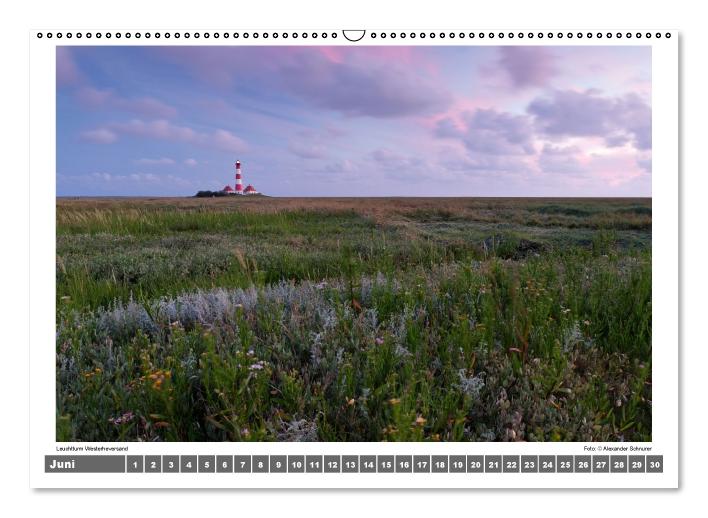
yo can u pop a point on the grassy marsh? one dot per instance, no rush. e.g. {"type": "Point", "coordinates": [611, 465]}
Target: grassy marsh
{"type": "Point", "coordinates": [354, 319]}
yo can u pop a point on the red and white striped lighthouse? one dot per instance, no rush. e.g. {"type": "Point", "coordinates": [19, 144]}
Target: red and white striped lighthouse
{"type": "Point", "coordinates": [239, 185]}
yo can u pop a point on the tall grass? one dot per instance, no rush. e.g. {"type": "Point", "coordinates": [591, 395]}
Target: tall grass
{"type": "Point", "coordinates": [340, 326]}
{"type": "Point", "coordinates": [432, 355]}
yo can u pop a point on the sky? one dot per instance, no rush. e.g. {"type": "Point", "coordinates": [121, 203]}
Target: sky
{"type": "Point", "coordinates": [355, 121]}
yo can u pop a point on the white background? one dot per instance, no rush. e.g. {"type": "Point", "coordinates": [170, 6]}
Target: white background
{"type": "Point", "coordinates": [206, 14]}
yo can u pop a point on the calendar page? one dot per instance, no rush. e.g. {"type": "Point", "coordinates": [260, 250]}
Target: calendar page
{"type": "Point", "coordinates": [375, 258]}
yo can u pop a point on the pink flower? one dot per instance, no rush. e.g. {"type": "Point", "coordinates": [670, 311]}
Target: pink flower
{"type": "Point", "coordinates": [125, 418]}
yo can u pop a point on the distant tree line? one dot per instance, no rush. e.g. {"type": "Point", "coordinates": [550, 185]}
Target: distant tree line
{"type": "Point", "coordinates": [210, 194]}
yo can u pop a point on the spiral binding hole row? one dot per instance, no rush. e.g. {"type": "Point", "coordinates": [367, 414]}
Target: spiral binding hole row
{"type": "Point", "coordinates": [334, 35]}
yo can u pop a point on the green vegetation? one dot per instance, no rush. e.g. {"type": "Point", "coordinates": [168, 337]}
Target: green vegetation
{"type": "Point", "coordinates": [354, 320]}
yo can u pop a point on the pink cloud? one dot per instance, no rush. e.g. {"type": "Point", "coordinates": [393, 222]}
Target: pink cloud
{"type": "Point", "coordinates": [100, 136]}
{"type": "Point", "coordinates": [333, 54]}
{"type": "Point", "coordinates": [606, 68]}
{"type": "Point", "coordinates": [595, 170]}
{"type": "Point", "coordinates": [315, 143]}
{"type": "Point", "coordinates": [644, 162]}
{"type": "Point", "coordinates": [307, 150]}
{"type": "Point", "coordinates": [562, 160]}
{"type": "Point", "coordinates": [490, 132]}
{"type": "Point", "coordinates": [219, 139]}
{"type": "Point", "coordinates": [618, 120]}
{"type": "Point", "coordinates": [93, 97]}
{"type": "Point", "coordinates": [412, 167]}
{"type": "Point", "coordinates": [157, 129]}
{"type": "Point", "coordinates": [365, 81]}
{"type": "Point", "coordinates": [144, 106]}
{"type": "Point", "coordinates": [155, 161]}
{"type": "Point", "coordinates": [223, 140]}
{"type": "Point", "coordinates": [67, 70]}
{"type": "Point", "coordinates": [344, 166]}
{"type": "Point", "coordinates": [615, 169]}
{"type": "Point", "coordinates": [528, 66]}
{"type": "Point", "coordinates": [388, 91]}
{"type": "Point", "coordinates": [389, 158]}
{"type": "Point", "coordinates": [493, 165]}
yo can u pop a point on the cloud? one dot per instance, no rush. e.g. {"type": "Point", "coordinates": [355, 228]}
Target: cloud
{"type": "Point", "coordinates": [618, 120]}
{"type": "Point", "coordinates": [337, 170]}
{"type": "Point", "coordinates": [143, 177]}
{"type": "Point", "coordinates": [340, 167]}
{"type": "Point", "coordinates": [157, 129]}
{"type": "Point", "coordinates": [360, 82]}
{"type": "Point", "coordinates": [384, 91]}
{"type": "Point", "coordinates": [143, 106]}
{"type": "Point", "coordinates": [307, 150]}
{"type": "Point", "coordinates": [315, 143]}
{"type": "Point", "coordinates": [104, 177]}
{"type": "Point", "coordinates": [93, 97]}
{"type": "Point", "coordinates": [131, 178]}
{"type": "Point", "coordinates": [390, 159]}
{"type": "Point", "coordinates": [614, 169]}
{"type": "Point", "coordinates": [190, 162]}
{"type": "Point", "coordinates": [561, 160]}
{"type": "Point", "coordinates": [103, 183]}
{"type": "Point", "coordinates": [644, 163]}
{"type": "Point", "coordinates": [412, 169]}
{"type": "Point", "coordinates": [527, 66]}
{"type": "Point", "coordinates": [101, 176]}
{"type": "Point", "coordinates": [146, 106]}
{"type": "Point", "coordinates": [490, 132]}
{"type": "Point", "coordinates": [155, 161]}
{"type": "Point", "coordinates": [331, 131]}
{"type": "Point", "coordinates": [527, 146]}
{"type": "Point", "coordinates": [496, 165]}
{"type": "Point", "coordinates": [219, 139]}
{"type": "Point", "coordinates": [67, 71]}
{"type": "Point", "coordinates": [617, 140]}
{"type": "Point", "coordinates": [100, 136]}
{"type": "Point", "coordinates": [449, 128]}
{"type": "Point", "coordinates": [222, 140]}
{"type": "Point", "coordinates": [68, 74]}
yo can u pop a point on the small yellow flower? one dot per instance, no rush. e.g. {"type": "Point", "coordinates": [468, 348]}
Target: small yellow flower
{"type": "Point", "coordinates": [420, 420]}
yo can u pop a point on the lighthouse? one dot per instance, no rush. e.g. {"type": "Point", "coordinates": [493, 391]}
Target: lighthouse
{"type": "Point", "coordinates": [249, 190]}
{"type": "Point", "coordinates": [239, 185]}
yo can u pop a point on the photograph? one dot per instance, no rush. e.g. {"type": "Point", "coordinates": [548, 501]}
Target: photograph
{"type": "Point", "coordinates": [354, 243]}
